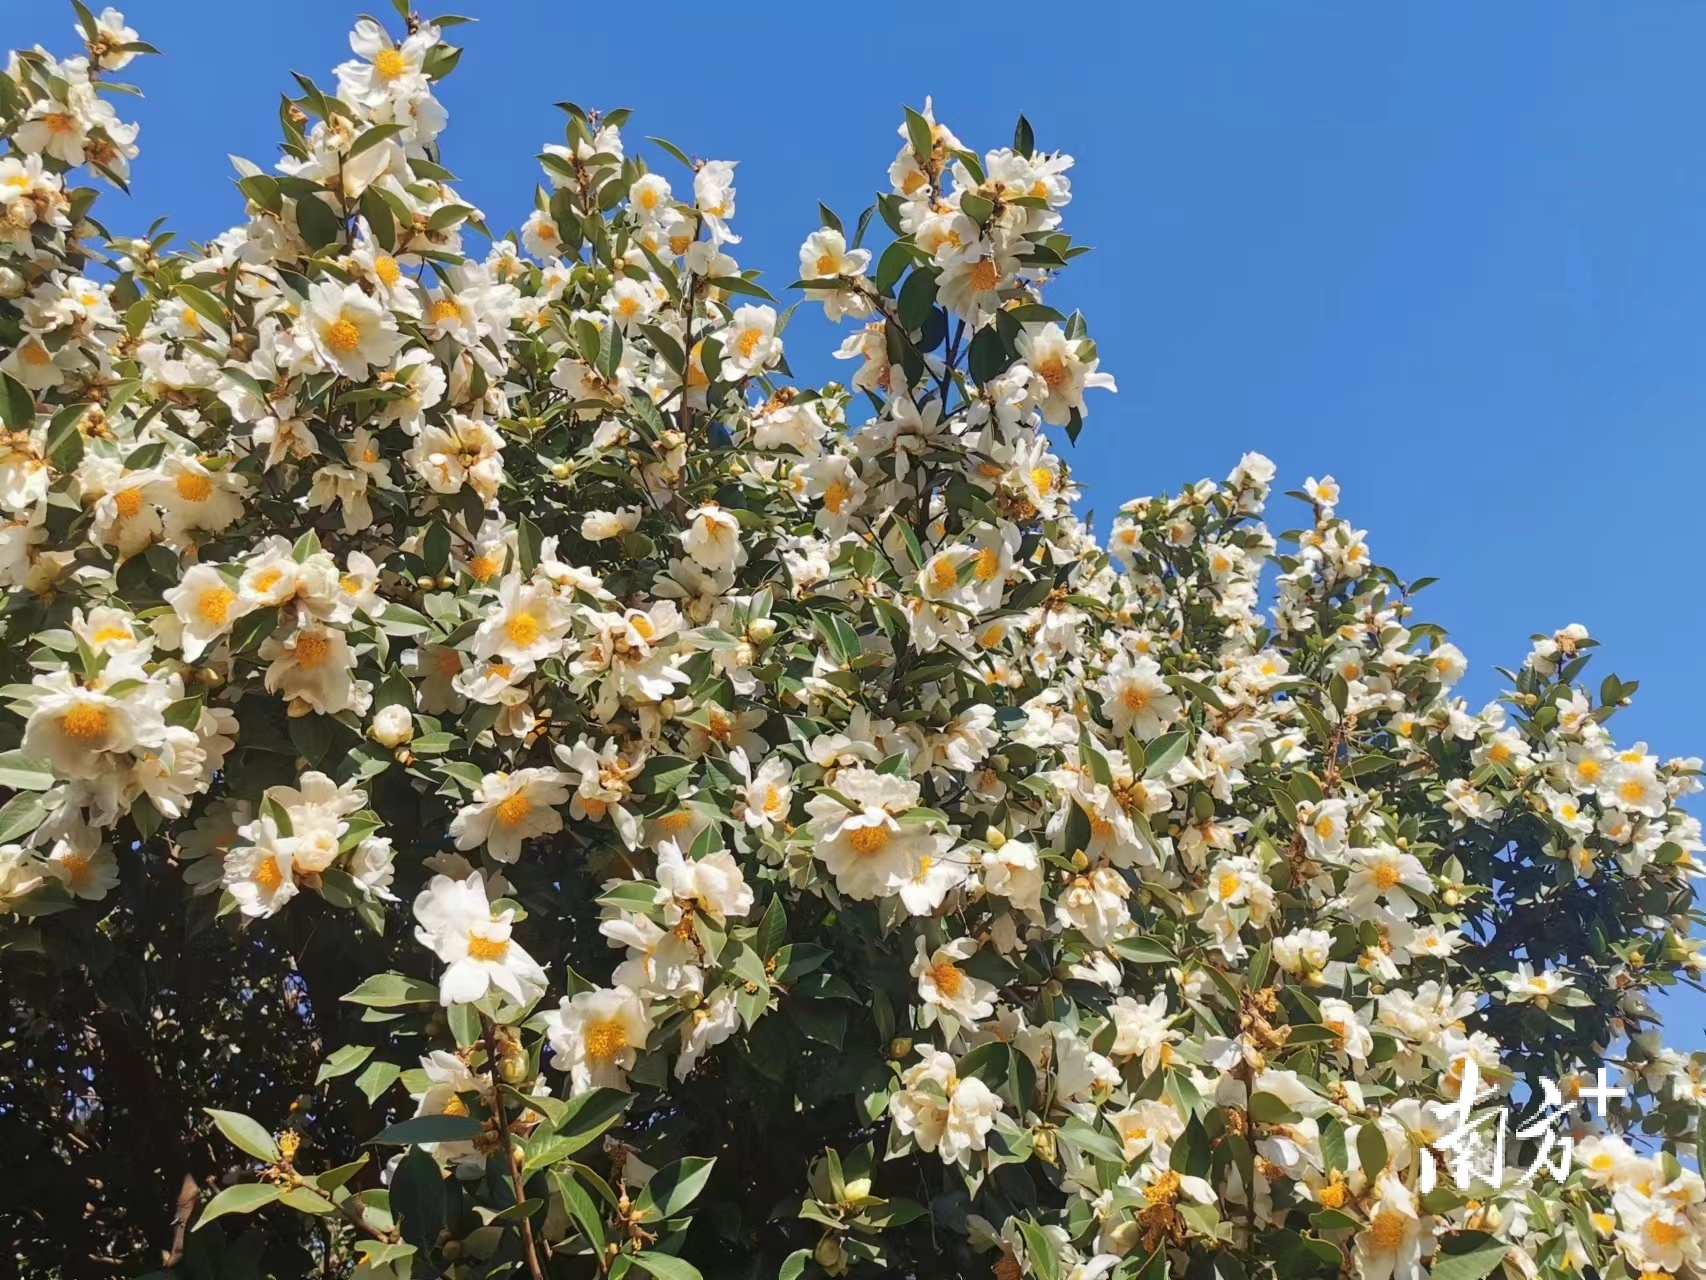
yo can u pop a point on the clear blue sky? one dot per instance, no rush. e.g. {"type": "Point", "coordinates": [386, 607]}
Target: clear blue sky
{"type": "Point", "coordinates": [1454, 254]}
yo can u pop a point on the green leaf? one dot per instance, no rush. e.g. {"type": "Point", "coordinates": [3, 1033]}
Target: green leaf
{"type": "Point", "coordinates": [17, 405]}
{"type": "Point", "coordinates": [918, 133]}
{"type": "Point", "coordinates": [418, 1199]}
{"type": "Point", "coordinates": [917, 296]}
{"type": "Point", "coordinates": [378, 1077]}
{"type": "Point", "coordinates": [372, 138]}
{"type": "Point", "coordinates": [1467, 1255]}
{"type": "Point", "coordinates": [581, 1207]}
{"type": "Point", "coordinates": [245, 1197]}
{"type": "Point", "coordinates": [1165, 752]}
{"type": "Point", "coordinates": [1144, 951]}
{"type": "Point", "coordinates": [440, 1128]}
{"type": "Point", "coordinates": [1024, 140]}
{"type": "Point", "coordinates": [245, 1134]}
{"type": "Point", "coordinates": [674, 1187]}
{"type": "Point", "coordinates": [387, 990]}
{"type": "Point", "coordinates": [1371, 1150]}
{"type": "Point", "coordinates": [318, 222]}
{"type": "Point", "coordinates": [1039, 1250]}
{"type": "Point", "coordinates": [344, 1061]}
{"type": "Point", "coordinates": [24, 773]}
{"type": "Point", "coordinates": [666, 1266]}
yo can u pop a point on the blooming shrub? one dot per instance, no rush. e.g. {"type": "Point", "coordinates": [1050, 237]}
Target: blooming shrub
{"type": "Point", "coordinates": [503, 782]}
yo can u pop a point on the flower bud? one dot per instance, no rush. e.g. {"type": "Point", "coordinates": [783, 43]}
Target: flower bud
{"type": "Point", "coordinates": [392, 726]}
{"type": "Point", "coordinates": [761, 629]}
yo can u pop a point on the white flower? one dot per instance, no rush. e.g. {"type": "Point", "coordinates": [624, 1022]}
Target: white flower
{"type": "Point", "coordinates": [457, 925]}
{"type": "Point", "coordinates": [869, 853]}
{"type": "Point", "coordinates": [750, 344]}
{"type": "Point", "coordinates": [348, 330]}
{"type": "Point", "coordinates": [260, 875]}
{"type": "Point", "coordinates": [508, 808]}
{"type": "Point", "coordinates": [1135, 697]}
{"type": "Point", "coordinates": [1055, 359]}
{"type": "Point", "coordinates": [596, 1037]}
{"type": "Point", "coordinates": [712, 538]}
{"type": "Point", "coordinates": [713, 883]}
{"type": "Point", "coordinates": [943, 985]}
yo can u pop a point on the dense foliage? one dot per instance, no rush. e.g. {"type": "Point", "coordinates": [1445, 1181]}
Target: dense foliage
{"type": "Point", "coordinates": [501, 782]}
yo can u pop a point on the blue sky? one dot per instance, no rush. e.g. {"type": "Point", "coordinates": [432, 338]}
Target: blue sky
{"type": "Point", "coordinates": [1452, 254]}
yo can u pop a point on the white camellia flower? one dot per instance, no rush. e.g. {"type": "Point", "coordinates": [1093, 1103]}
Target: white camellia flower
{"type": "Point", "coordinates": [596, 1036]}
{"type": "Point", "coordinates": [348, 330]}
{"type": "Point", "coordinates": [509, 808]}
{"type": "Point", "coordinates": [456, 923]}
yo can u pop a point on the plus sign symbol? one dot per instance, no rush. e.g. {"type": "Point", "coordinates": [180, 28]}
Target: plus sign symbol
{"type": "Point", "coordinates": [1601, 1094]}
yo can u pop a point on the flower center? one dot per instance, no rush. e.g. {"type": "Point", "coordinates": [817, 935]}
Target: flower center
{"type": "Point", "coordinates": [86, 721]}
{"type": "Point", "coordinates": [522, 630]}
{"type": "Point", "coordinates": [388, 63]}
{"type": "Point", "coordinates": [192, 486]}
{"type": "Point", "coordinates": [1663, 1233]}
{"type": "Point", "coordinates": [604, 1040]}
{"type": "Point", "coordinates": [59, 122]}
{"type": "Point", "coordinates": [483, 948]}
{"type": "Point", "coordinates": [515, 809]}
{"type": "Point", "coordinates": [1043, 479]}
{"type": "Point", "coordinates": [1053, 371]}
{"type": "Point", "coordinates": [482, 567]}
{"type": "Point", "coordinates": [215, 605]}
{"type": "Point", "coordinates": [268, 877]}
{"type": "Point", "coordinates": [869, 840]}
{"type": "Point", "coordinates": [988, 564]}
{"type": "Point", "coordinates": [1385, 877]}
{"type": "Point", "coordinates": [1135, 699]}
{"type": "Point", "coordinates": [1228, 886]}
{"type": "Point", "coordinates": [747, 342]}
{"type": "Point", "coordinates": [836, 495]}
{"type": "Point", "coordinates": [945, 576]}
{"type": "Point", "coordinates": [985, 276]}
{"type": "Point", "coordinates": [772, 799]}
{"type": "Point", "coordinates": [311, 649]}
{"type": "Point", "coordinates": [342, 335]}
{"type": "Point", "coordinates": [128, 502]}
{"type": "Point", "coordinates": [76, 869]}
{"type": "Point", "coordinates": [828, 265]}
{"type": "Point", "coordinates": [386, 268]}
{"type": "Point", "coordinates": [948, 979]}
{"type": "Point", "coordinates": [1387, 1229]}
{"type": "Point", "coordinates": [444, 311]}
{"type": "Point", "coordinates": [1631, 790]}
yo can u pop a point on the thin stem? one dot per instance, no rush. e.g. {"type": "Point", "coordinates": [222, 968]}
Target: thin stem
{"type": "Point", "coordinates": [533, 1268]}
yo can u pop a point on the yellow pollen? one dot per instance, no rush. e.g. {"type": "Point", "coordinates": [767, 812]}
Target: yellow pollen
{"type": "Point", "coordinates": [1052, 370]}
{"type": "Point", "coordinates": [772, 798]}
{"type": "Point", "coordinates": [948, 979]}
{"type": "Point", "coordinates": [388, 63]}
{"type": "Point", "coordinates": [1602, 1163]}
{"type": "Point", "coordinates": [267, 579]}
{"type": "Point", "coordinates": [1386, 876]}
{"type": "Point", "coordinates": [482, 568]}
{"type": "Point", "coordinates": [522, 630]}
{"type": "Point", "coordinates": [76, 869]}
{"type": "Point", "coordinates": [268, 877]}
{"type": "Point", "coordinates": [1332, 1196]}
{"type": "Point", "coordinates": [515, 809]}
{"type": "Point", "coordinates": [679, 245]}
{"type": "Point", "coordinates": [481, 948]}
{"type": "Point", "coordinates": [86, 721]}
{"type": "Point", "coordinates": [867, 841]}
{"type": "Point", "coordinates": [214, 606]}
{"type": "Point", "coordinates": [128, 503]}
{"type": "Point", "coordinates": [1587, 770]}
{"type": "Point", "coordinates": [1228, 886]}
{"type": "Point", "coordinates": [1039, 190]}
{"type": "Point", "coordinates": [1324, 828]}
{"type": "Point", "coordinates": [912, 182]}
{"type": "Point", "coordinates": [1631, 791]}
{"type": "Point", "coordinates": [1042, 479]}
{"type": "Point", "coordinates": [988, 564]}
{"type": "Point", "coordinates": [1499, 753]}
{"type": "Point", "coordinates": [602, 1041]}
{"type": "Point", "coordinates": [349, 584]}
{"type": "Point", "coordinates": [747, 342]}
{"type": "Point", "coordinates": [454, 1106]}
{"type": "Point", "coordinates": [828, 265]}
{"type": "Point", "coordinates": [835, 496]}
{"type": "Point", "coordinates": [386, 268]}
{"type": "Point", "coordinates": [59, 122]}
{"type": "Point", "coordinates": [311, 649]}
{"type": "Point", "coordinates": [1662, 1232]}
{"type": "Point", "coordinates": [1135, 699]}
{"type": "Point", "coordinates": [628, 308]}
{"type": "Point", "coordinates": [944, 576]}
{"type": "Point", "coordinates": [342, 335]}
{"type": "Point", "coordinates": [673, 822]}
{"type": "Point", "coordinates": [1387, 1229]}
{"type": "Point", "coordinates": [106, 635]}
{"type": "Point", "coordinates": [193, 486]}
{"type": "Point", "coordinates": [985, 276]}
{"type": "Point", "coordinates": [36, 354]}
{"type": "Point", "coordinates": [444, 311]}
{"type": "Point", "coordinates": [500, 669]}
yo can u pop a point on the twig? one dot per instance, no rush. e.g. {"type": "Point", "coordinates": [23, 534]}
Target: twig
{"type": "Point", "coordinates": [533, 1268]}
